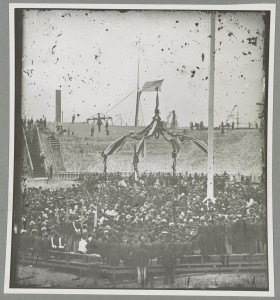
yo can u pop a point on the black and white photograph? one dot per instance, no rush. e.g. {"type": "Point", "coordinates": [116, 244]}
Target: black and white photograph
{"type": "Point", "coordinates": [141, 149]}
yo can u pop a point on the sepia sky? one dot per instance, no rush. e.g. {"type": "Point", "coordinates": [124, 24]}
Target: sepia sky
{"type": "Point", "coordinates": [92, 57]}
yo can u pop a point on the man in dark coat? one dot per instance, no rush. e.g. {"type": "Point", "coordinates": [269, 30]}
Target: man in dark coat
{"type": "Point", "coordinates": [220, 240]}
{"type": "Point", "coordinates": [99, 123]}
{"type": "Point", "coordinates": [203, 233]}
{"type": "Point", "coordinates": [107, 127]}
{"type": "Point", "coordinates": [73, 231]}
{"type": "Point", "coordinates": [210, 239]}
{"type": "Point", "coordinates": [157, 249]}
{"type": "Point", "coordinates": [141, 260]}
{"type": "Point", "coordinates": [92, 130]}
{"type": "Point", "coordinates": [46, 245]}
{"type": "Point", "coordinates": [125, 250]}
{"type": "Point", "coordinates": [102, 249]}
{"type": "Point", "coordinates": [250, 236]}
{"type": "Point", "coordinates": [77, 234]}
{"type": "Point", "coordinates": [37, 245]}
{"type": "Point", "coordinates": [228, 239]}
{"type": "Point", "coordinates": [179, 249]}
{"type": "Point", "coordinates": [51, 173]}
{"type": "Point", "coordinates": [169, 262]}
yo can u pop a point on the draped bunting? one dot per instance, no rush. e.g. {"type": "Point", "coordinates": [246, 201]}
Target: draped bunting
{"type": "Point", "coordinates": [115, 146]}
{"type": "Point", "coordinates": [201, 145]}
{"type": "Point", "coordinates": [155, 128]}
{"type": "Point", "coordinates": [141, 149]}
{"type": "Point", "coordinates": [175, 145]}
{"type": "Point", "coordinates": [182, 138]}
{"type": "Point", "coordinates": [152, 130]}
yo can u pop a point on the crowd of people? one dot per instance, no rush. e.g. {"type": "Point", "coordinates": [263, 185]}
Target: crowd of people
{"type": "Point", "coordinates": [29, 124]}
{"type": "Point", "coordinates": [117, 219]}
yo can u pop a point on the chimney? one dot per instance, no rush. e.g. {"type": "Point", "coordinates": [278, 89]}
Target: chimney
{"type": "Point", "coordinates": [58, 106]}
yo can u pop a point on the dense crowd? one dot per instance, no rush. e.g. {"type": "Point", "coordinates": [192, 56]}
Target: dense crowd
{"type": "Point", "coordinates": [119, 217]}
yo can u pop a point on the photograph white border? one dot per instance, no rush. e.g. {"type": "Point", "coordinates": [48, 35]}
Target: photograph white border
{"type": "Point", "coordinates": [237, 7]}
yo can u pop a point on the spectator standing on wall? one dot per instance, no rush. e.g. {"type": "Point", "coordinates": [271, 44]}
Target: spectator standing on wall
{"type": "Point", "coordinates": [107, 127]}
{"type": "Point", "coordinates": [191, 126]}
{"type": "Point", "coordinates": [92, 130]}
{"type": "Point", "coordinates": [222, 128]}
{"type": "Point", "coordinates": [73, 118]}
{"type": "Point", "coordinates": [45, 123]}
{"type": "Point", "coordinates": [51, 173]}
{"type": "Point", "coordinates": [99, 123]}
{"type": "Point", "coordinates": [42, 160]}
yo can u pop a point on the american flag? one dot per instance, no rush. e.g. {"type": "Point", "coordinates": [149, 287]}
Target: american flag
{"type": "Point", "coordinates": [151, 86]}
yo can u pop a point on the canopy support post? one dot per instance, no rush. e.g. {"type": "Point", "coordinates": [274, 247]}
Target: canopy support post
{"type": "Point", "coordinates": [105, 168]}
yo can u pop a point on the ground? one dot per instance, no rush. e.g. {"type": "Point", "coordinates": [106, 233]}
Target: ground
{"type": "Point", "coordinates": [81, 152]}
{"type": "Point", "coordinates": [40, 277]}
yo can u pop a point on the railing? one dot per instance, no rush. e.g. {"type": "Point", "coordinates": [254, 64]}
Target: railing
{"type": "Point", "coordinates": [52, 154]}
{"type": "Point", "coordinates": [41, 149]}
{"type": "Point", "coordinates": [27, 149]}
{"type": "Point", "coordinates": [254, 178]}
{"type": "Point", "coordinates": [61, 154]}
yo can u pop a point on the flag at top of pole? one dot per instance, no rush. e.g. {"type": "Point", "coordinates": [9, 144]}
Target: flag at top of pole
{"type": "Point", "coordinates": [152, 86]}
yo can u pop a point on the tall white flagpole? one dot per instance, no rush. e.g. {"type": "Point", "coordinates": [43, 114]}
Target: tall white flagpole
{"type": "Point", "coordinates": [211, 96]}
{"type": "Point", "coordinates": [137, 99]}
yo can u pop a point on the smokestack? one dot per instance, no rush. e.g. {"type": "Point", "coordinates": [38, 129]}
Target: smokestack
{"type": "Point", "coordinates": [58, 106]}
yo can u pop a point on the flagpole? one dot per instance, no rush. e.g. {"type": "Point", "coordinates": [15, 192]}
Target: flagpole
{"type": "Point", "coordinates": [137, 98]}
{"type": "Point", "coordinates": [210, 163]}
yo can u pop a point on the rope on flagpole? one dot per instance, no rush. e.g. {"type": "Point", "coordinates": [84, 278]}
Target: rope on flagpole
{"type": "Point", "coordinates": [119, 102]}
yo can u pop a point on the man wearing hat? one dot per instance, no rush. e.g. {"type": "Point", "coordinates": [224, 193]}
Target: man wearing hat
{"type": "Point", "coordinates": [228, 239]}
{"type": "Point", "coordinates": [125, 250]}
{"type": "Point", "coordinates": [46, 245]}
{"type": "Point", "coordinates": [36, 244]}
{"type": "Point", "coordinates": [260, 234]}
{"type": "Point", "coordinates": [169, 262]}
{"type": "Point", "coordinates": [114, 254]}
{"type": "Point", "coordinates": [219, 234]}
